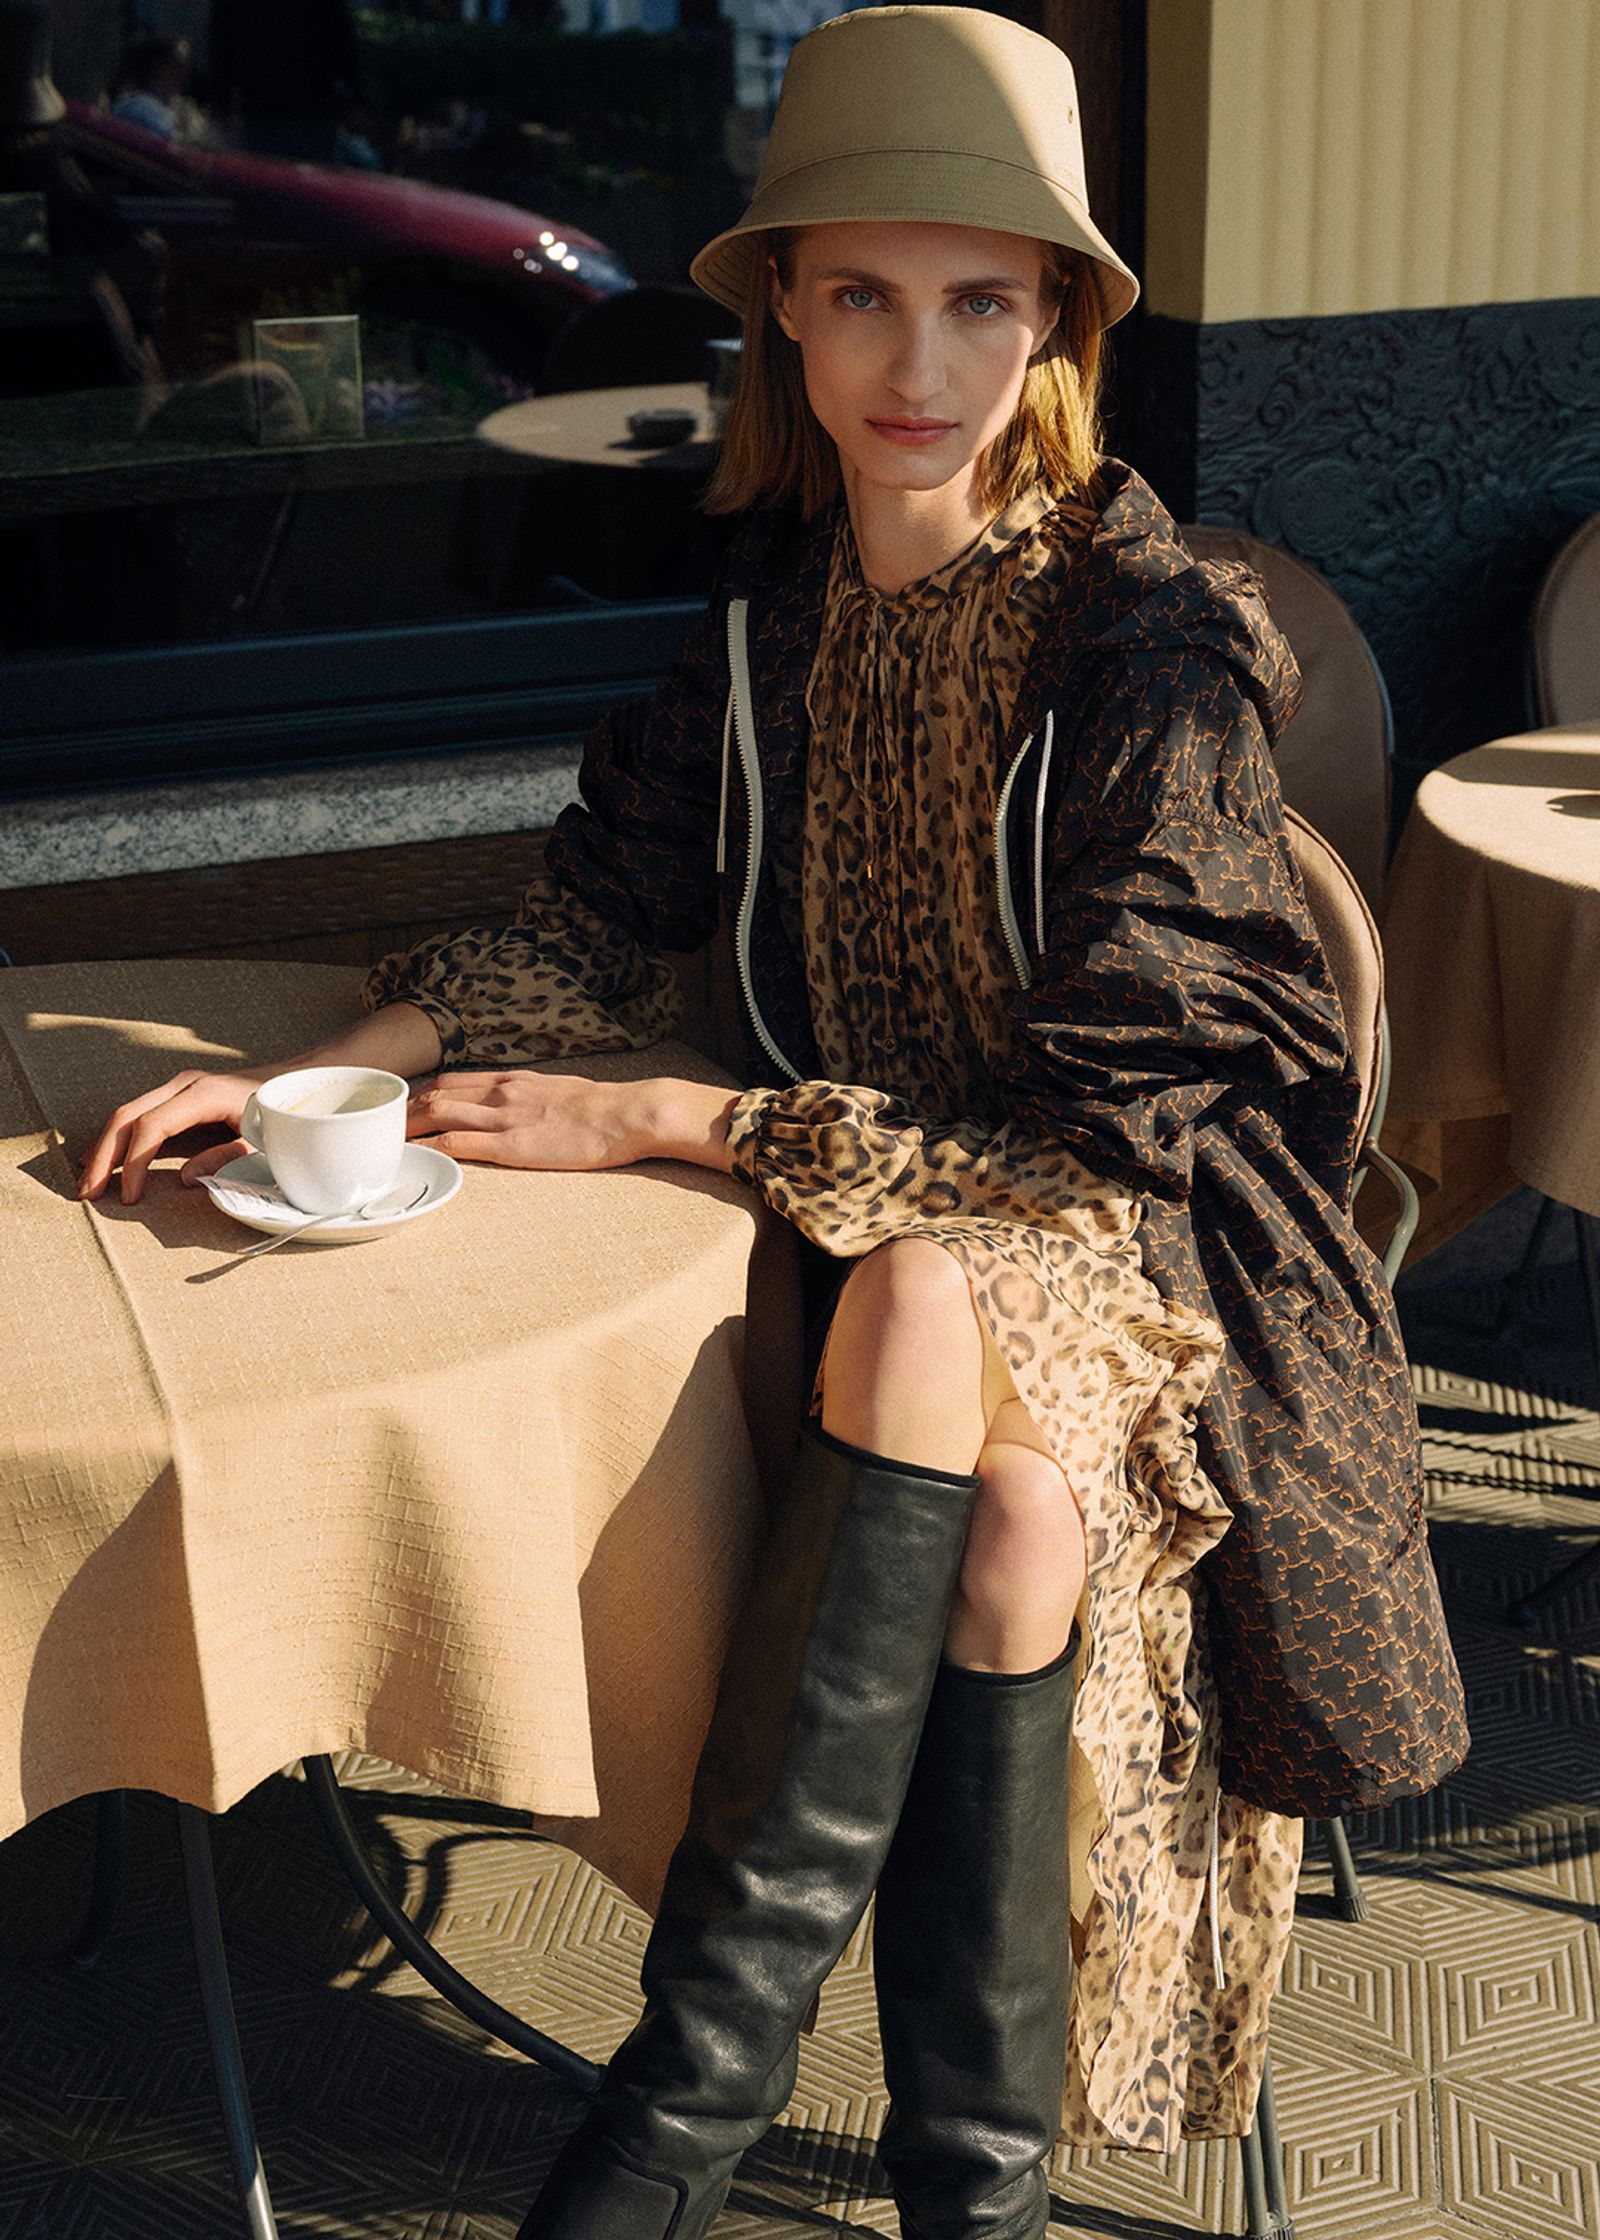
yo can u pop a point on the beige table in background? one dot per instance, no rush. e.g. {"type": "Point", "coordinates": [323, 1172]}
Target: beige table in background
{"type": "Point", "coordinates": [618, 520]}
{"type": "Point", "coordinates": [1491, 933]}
{"type": "Point", "coordinates": [476, 1496]}
{"type": "Point", "coordinates": [589, 427]}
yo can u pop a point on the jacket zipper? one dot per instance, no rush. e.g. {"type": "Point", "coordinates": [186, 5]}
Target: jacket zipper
{"type": "Point", "coordinates": [1010, 927]}
{"type": "Point", "coordinates": [739, 701]}
{"type": "Point", "coordinates": [740, 721]}
{"type": "Point", "coordinates": [1040, 792]}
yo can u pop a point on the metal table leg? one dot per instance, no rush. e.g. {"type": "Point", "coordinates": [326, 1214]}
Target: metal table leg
{"type": "Point", "coordinates": [1257, 2224]}
{"type": "Point", "coordinates": [194, 1836]}
{"type": "Point", "coordinates": [110, 1819]}
{"type": "Point", "coordinates": [429, 1963]}
{"type": "Point", "coordinates": [1266, 2197]}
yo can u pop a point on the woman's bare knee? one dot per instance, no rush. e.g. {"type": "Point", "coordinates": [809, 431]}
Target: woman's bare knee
{"type": "Point", "coordinates": [1023, 1570]}
{"type": "Point", "coordinates": [1025, 1516]}
{"type": "Point", "coordinates": [903, 1372]}
{"type": "Point", "coordinates": [909, 1277]}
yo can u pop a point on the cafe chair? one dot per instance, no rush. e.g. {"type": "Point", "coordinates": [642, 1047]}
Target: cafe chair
{"type": "Point", "coordinates": [1564, 633]}
{"type": "Point", "coordinates": [1334, 763]}
{"type": "Point", "coordinates": [1354, 953]}
{"type": "Point", "coordinates": [1350, 941]}
{"type": "Point", "coordinates": [1335, 759]}
{"type": "Point", "coordinates": [1355, 960]}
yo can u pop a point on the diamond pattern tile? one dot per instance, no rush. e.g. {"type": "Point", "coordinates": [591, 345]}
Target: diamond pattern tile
{"type": "Point", "coordinates": [1530, 2166]}
{"type": "Point", "coordinates": [1500, 2004]}
{"type": "Point", "coordinates": [1146, 2197]}
{"type": "Point", "coordinates": [1358, 2142]}
{"type": "Point", "coordinates": [1438, 2067]}
{"type": "Point", "coordinates": [1367, 1995]}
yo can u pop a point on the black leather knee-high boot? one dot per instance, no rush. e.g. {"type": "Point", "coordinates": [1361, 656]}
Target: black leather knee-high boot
{"type": "Point", "coordinates": [795, 1801]}
{"type": "Point", "coordinates": [972, 1958]}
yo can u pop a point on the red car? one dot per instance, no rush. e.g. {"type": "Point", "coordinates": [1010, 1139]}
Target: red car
{"type": "Point", "coordinates": [428, 268]}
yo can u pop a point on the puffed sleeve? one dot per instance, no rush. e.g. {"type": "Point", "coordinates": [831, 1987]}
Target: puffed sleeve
{"type": "Point", "coordinates": [629, 873]}
{"type": "Point", "coordinates": [852, 1167]}
{"type": "Point", "coordinates": [1182, 971]}
{"type": "Point", "coordinates": [559, 981]}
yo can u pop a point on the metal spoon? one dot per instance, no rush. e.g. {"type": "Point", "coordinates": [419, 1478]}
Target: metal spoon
{"type": "Point", "coordinates": [383, 1203]}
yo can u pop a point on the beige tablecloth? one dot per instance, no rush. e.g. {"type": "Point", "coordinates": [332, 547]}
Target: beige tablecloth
{"type": "Point", "coordinates": [1491, 930]}
{"type": "Point", "coordinates": [477, 1496]}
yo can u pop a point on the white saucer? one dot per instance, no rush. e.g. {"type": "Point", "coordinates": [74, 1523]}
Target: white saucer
{"type": "Point", "coordinates": [244, 1189]}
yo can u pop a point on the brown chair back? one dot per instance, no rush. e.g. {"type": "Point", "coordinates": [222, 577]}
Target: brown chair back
{"type": "Point", "coordinates": [1333, 760]}
{"type": "Point", "coordinates": [1565, 630]}
{"type": "Point", "coordinates": [1354, 952]}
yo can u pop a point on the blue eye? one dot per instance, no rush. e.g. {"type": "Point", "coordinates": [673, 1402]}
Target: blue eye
{"type": "Point", "coordinates": [984, 305]}
{"type": "Point", "coordinates": [859, 299]}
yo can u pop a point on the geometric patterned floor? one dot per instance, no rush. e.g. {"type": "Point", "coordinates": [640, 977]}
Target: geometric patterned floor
{"type": "Point", "coordinates": [1438, 2067]}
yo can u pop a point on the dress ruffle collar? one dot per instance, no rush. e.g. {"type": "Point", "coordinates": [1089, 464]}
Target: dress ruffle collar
{"type": "Point", "coordinates": [967, 572]}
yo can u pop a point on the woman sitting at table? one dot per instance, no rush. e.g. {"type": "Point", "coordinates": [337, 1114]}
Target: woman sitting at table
{"type": "Point", "coordinates": [1057, 1077]}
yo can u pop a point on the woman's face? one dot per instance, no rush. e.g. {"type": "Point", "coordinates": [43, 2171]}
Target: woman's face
{"type": "Point", "coordinates": [915, 340]}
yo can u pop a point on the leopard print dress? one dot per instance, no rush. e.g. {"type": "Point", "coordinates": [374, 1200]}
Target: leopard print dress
{"type": "Point", "coordinates": [1182, 1896]}
{"type": "Point", "coordinates": [909, 973]}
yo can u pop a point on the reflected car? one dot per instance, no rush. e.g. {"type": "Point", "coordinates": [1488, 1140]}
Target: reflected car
{"type": "Point", "coordinates": [429, 269]}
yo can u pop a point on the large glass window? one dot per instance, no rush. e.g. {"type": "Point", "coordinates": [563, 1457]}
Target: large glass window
{"type": "Point", "coordinates": [266, 271]}
{"type": "Point", "coordinates": [323, 319]}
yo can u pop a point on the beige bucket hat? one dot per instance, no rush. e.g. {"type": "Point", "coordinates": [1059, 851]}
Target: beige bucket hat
{"type": "Point", "coordinates": [944, 115]}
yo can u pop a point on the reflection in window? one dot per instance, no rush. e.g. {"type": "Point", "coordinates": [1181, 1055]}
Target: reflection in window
{"type": "Point", "coordinates": [502, 197]}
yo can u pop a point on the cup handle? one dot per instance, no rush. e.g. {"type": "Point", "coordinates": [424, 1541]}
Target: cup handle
{"type": "Point", "coordinates": [250, 1122]}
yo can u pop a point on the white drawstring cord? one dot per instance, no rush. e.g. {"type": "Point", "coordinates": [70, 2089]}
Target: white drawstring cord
{"type": "Point", "coordinates": [1213, 1888]}
{"type": "Point", "coordinates": [1038, 832]}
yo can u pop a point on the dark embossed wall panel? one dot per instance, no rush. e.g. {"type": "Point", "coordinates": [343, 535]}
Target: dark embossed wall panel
{"type": "Point", "coordinates": [1428, 462]}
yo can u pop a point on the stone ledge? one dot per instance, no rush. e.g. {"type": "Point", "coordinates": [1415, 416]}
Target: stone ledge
{"type": "Point", "coordinates": [59, 839]}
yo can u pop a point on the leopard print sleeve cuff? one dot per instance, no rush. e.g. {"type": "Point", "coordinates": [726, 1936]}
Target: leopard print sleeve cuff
{"type": "Point", "coordinates": [563, 981]}
{"type": "Point", "coordinates": [852, 1167]}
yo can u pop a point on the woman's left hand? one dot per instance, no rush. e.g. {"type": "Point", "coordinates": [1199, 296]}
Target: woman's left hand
{"type": "Point", "coordinates": [558, 1120]}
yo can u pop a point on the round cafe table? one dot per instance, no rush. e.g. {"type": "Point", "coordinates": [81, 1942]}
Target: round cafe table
{"type": "Point", "coordinates": [477, 1496]}
{"type": "Point", "coordinates": [1491, 935]}
{"type": "Point", "coordinates": [589, 428]}
{"type": "Point", "coordinates": [604, 515]}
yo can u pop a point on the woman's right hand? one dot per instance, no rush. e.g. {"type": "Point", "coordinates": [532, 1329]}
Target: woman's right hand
{"type": "Point", "coordinates": [397, 1038]}
{"type": "Point", "coordinates": [137, 1130]}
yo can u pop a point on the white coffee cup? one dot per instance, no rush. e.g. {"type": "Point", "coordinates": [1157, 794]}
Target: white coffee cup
{"type": "Point", "coordinates": [332, 1135]}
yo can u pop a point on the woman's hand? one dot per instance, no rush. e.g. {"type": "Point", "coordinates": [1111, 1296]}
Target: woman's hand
{"type": "Point", "coordinates": [137, 1130]}
{"type": "Point", "coordinates": [561, 1121]}
{"type": "Point", "coordinates": [397, 1039]}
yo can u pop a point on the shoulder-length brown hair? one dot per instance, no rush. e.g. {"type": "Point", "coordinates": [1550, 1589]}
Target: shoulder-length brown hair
{"type": "Point", "coordinates": [775, 451]}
